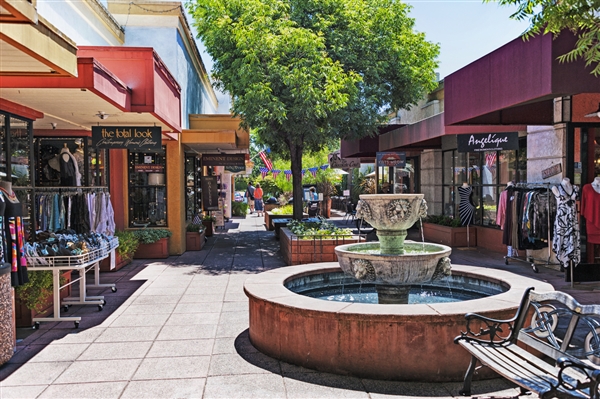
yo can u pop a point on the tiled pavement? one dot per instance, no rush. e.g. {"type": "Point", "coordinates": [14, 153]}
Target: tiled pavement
{"type": "Point", "coordinates": [177, 328]}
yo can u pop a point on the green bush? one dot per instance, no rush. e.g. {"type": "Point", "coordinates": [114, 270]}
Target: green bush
{"type": "Point", "coordinates": [283, 210]}
{"type": "Point", "coordinates": [148, 236]}
{"type": "Point", "coordinates": [322, 229]}
{"type": "Point", "coordinates": [443, 220]}
{"type": "Point", "coordinates": [37, 290]}
{"type": "Point", "coordinates": [239, 208]}
{"type": "Point", "coordinates": [128, 243]}
{"type": "Point", "coordinates": [194, 228]}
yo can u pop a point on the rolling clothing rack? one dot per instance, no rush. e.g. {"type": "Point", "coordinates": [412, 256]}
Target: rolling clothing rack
{"type": "Point", "coordinates": [81, 263]}
{"type": "Point", "coordinates": [530, 259]}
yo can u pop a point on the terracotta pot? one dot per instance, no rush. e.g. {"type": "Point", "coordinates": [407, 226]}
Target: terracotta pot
{"type": "Point", "coordinates": [451, 236]}
{"type": "Point", "coordinates": [119, 263]}
{"type": "Point", "coordinates": [156, 250]}
{"type": "Point", "coordinates": [194, 241]}
{"type": "Point", "coordinates": [209, 227]}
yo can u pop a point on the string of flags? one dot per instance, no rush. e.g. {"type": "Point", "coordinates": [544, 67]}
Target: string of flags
{"type": "Point", "coordinates": [264, 170]}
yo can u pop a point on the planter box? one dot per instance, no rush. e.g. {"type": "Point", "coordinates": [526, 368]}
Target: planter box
{"type": "Point", "coordinates": [119, 263]}
{"type": "Point", "coordinates": [24, 316]}
{"type": "Point", "coordinates": [156, 250]}
{"type": "Point", "coordinates": [208, 228]}
{"type": "Point", "coordinates": [270, 207]}
{"type": "Point", "coordinates": [269, 217]}
{"type": "Point", "coordinates": [194, 241]}
{"type": "Point", "coordinates": [297, 252]}
{"type": "Point", "coordinates": [450, 236]}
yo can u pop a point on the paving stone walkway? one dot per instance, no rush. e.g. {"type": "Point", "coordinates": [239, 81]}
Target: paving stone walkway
{"type": "Point", "coordinates": [178, 328]}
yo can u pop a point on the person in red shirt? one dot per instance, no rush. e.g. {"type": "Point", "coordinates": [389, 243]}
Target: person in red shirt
{"type": "Point", "coordinates": [258, 201]}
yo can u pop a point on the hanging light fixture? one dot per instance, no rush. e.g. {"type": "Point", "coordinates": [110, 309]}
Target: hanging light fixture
{"type": "Point", "coordinates": [594, 114]}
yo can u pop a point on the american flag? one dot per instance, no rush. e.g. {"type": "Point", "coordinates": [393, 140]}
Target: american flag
{"type": "Point", "coordinates": [323, 167]}
{"type": "Point", "coordinates": [313, 171]}
{"type": "Point", "coordinates": [276, 173]}
{"type": "Point", "coordinates": [490, 159]}
{"type": "Point", "coordinates": [303, 172]}
{"type": "Point", "coordinates": [266, 160]}
{"type": "Point", "coordinates": [263, 172]}
{"type": "Point", "coordinates": [288, 174]}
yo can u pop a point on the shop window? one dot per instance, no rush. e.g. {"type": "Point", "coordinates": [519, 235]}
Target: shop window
{"type": "Point", "coordinates": [19, 152]}
{"type": "Point", "coordinates": [487, 173]}
{"type": "Point", "coordinates": [147, 189]}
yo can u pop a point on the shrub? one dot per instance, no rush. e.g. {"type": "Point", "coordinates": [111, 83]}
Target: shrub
{"type": "Point", "coordinates": [128, 243]}
{"type": "Point", "coordinates": [322, 229]}
{"type": "Point", "coordinates": [283, 210]}
{"type": "Point", "coordinates": [194, 228]}
{"type": "Point", "coordinates": [239, 208]}
{"type": "Point", "coordinates": [149, 236]}
{"type": "Point", "coordinates": [443, 220]}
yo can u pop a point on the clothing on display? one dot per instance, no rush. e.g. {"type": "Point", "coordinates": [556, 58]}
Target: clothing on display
{"type": "Point", "coordinates": [13, 237]}
{"type": "Point", "coordinates": [69, 170]}
{"type": "Point", "coordinates": [590, 210]}
{"type": "Point", "coordinates": [466, 208]}
{"type": "Point", "coordinates": [565, 242]}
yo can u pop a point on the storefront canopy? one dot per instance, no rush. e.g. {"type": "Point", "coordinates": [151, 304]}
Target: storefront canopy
{"type": "Point", "coordinates": [516, 84]}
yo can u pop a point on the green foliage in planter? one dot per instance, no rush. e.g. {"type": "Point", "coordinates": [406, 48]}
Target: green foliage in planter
{"type": "Point", "coordinates": [443, 220]}
{"type": "Point", "coordinates": [128, 243]}
{"type": "Point", "coordinates": [209, 218]}
{"type": "Point", "coordinates": [149, 236]}
{"type": "Point", "coordinates": [283, 210]}
{"type": "Point", "coordinates": [194, 228]}
{"type": "Point", "coordinates": [35, 293]}
{"type": "Point", "coordinates": [310, 230]}
{"type": "Point", "coordinates": [239, 208]}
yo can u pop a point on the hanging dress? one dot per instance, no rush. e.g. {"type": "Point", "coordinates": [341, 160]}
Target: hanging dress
{"type": "Point", "coordinates": [466, 209]}
{"type": "Point", "coordinates": [565, 243]}
{"type": "Point", "coordinates": [15, 241]}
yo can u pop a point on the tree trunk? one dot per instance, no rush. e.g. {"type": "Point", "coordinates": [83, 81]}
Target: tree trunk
{"type": "Point", "coordinates": [298, 192]}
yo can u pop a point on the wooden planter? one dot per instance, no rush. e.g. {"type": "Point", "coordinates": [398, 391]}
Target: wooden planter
{"type": "Point", "coordinates": [194, 241]}
{"type": "Point", "coordinates": [269, 217]}
{"type": "Point", "coordinates": [208, 224]}
{"type": "Point", "coordinates": [156, 250]}
{"type": "Point", "coordinates": [119, 263]}
{"type": "Point", "coordinates": [270, 207]}
{"type": "Point", "coordinates": [24, 316]}
{"type": "Point", "coordinates": [450, 236]}
{"type": "Point", "coordinates": [297, 252]}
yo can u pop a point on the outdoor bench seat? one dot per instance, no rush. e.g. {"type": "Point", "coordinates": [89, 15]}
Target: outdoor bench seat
{"type": "Point", "coordinates": [562, 332]}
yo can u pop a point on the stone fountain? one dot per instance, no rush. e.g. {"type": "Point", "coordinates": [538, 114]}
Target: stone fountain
{"type": "Point", "coordinates": [393, 264]}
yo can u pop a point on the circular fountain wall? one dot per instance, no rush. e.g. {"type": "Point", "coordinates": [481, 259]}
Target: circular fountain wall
{"type": "Point", "coordinates": [393, 342]}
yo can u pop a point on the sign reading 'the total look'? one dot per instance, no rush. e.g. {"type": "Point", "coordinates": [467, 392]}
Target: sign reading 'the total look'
{"type": "Point", "coordinates": [488, 142]}
{"type": "Point", "coordinates": [134, 138]}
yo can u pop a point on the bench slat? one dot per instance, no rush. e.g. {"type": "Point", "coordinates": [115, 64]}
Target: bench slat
{"type": "Point", "coordinates": [518, 366]}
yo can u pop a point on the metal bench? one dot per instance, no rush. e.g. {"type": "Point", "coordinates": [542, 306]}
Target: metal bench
{"type": "Point", "coordinates": [563, 334]}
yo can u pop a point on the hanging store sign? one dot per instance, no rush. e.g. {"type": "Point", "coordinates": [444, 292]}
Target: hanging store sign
{"type": "Point", "coordinates": [337, 162]}
{"type": "Point", "coordinates": [224, 160]}
{"type": "Point", "coordinates": [134, 138]}
{"type": "Point", "coordinates": [487, 142]}
{"type": "Point", "coordinates": [210, 193]}
{"type": "Point", "coordinates": [391, 159]}
{"type": "Point", "coordinates": [552, 171]}
{"type": "Point", "coordinates": [235, 169]}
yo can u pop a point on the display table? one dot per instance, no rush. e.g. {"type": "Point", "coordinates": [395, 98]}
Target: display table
{"type": "Point", "coordinates": [81, 263]}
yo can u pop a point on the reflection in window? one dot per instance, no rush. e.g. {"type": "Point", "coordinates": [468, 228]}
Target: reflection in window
{"type": "Point", "coordinates": [147, 190]}
{"type": "Point", "coordinates": [19, 152]}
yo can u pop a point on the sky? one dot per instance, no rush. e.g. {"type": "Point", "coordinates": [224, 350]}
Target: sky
{"type": "Point", "coordinates": [466, 30]}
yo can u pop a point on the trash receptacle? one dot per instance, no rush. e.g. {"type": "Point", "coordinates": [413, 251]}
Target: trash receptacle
{"type": "Point", "coordinates": [7, 338]}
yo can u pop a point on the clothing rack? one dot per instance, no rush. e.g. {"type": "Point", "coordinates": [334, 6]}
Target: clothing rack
{"type": "Point", "coordinates": [72, 188]}
{"type": "Point", "coordinates": [531, 259]}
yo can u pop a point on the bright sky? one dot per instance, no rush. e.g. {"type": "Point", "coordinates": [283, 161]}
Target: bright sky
{"type": "Point", "coordinates": [466, 30]}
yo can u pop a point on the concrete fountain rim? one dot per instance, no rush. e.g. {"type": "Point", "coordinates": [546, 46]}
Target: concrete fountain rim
{"type": "Point", "coordinates": [269, 286]}
{"type": "Point", "coordinates": [444, 250]}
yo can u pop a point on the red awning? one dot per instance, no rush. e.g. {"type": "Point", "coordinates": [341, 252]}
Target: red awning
{"type": "Point", "coordinates": [516, 84]}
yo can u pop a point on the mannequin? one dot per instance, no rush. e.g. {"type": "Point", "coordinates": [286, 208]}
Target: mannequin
{"type": "Point", "coordinates": [596, 184]}
{"type": "Point", "coordinates": [69, 171]}
{"type": "Point", "coordinates": [590, 209]}
{"type": "Point", "coordinates": [566, 185]}
{"type": "Point", "coordinates": [15, 235]}
{"type": "Point", "coordinates": [466, 208]}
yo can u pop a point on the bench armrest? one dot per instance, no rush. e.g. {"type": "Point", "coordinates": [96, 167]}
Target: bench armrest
{"type": "Point", "coordinates": [575, 374]}
{"type": "Point", "coordinates": [487, 330]}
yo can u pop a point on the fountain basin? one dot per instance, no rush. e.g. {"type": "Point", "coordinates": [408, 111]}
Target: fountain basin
{"type": "Point", "coordinates": [390, 342]}
{"type": "Point", "coordinates": [418, 264]}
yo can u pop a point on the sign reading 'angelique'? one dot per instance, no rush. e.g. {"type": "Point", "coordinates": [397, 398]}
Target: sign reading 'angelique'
{"type": "Point", "coordinates": [134, 138]}
{"type": "Point", "coordinates": [488, 142]}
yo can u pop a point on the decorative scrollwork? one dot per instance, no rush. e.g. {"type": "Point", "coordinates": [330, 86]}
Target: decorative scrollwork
{"type": "Point", "coordinates": [363, 270]}
{"type": "Point", "coordinates": [363, 211]}
{"type": "Point", "coordinates": [398, 210]}
{"type": "Point", "coordinates": [442, 269]}
{"type": "Point", "coordinates": [496, 331]}
{"type": "Point", "coordinates": [423, 208]}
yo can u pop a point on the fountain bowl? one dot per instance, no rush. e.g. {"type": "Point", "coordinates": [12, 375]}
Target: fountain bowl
{"type": "Point", "coordinates": [421, 262]}
{"type": "Point", "coordinates": [385, 342]}
{"type": "Point", "coordinates": [392, 212]}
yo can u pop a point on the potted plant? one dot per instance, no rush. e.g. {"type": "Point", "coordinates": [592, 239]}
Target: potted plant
{"type": "Point", "coordinates": [207, 221]}
{"type": "Point", "coordinates": [35, 298]}
{"type": "Point", "coordinates": [194, 237]}
{"type": "Point", "coordinates": [128, 244]}
{"type": "Point", "coordinates": [448, 231]}
{"type": "Point", "coordinates": [154, 243]}
{"type": "Point", "coordinates": [239, 208]}
{"type": "Point", "coordinates": [327, 188]}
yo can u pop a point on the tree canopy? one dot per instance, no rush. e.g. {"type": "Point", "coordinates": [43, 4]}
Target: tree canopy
{"type": "Point", "coordinates": [551, 17]}
{"type": "Point", "coordinates": [305, 73]}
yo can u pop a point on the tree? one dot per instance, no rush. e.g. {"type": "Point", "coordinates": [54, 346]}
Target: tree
{"type": "Point", "coordinates": [305, 73]}
{"type": "Point", "coordinates": [553, 17]}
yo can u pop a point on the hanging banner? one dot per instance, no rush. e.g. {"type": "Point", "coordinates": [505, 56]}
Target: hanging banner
{"type": "Point", "coordinates": [235, 169]}
{"type": "Point", "coordinates": [134, 138]}
{"type": "Point", "coordinates": [391, 159]}
{"type": "Point", "coordinates": [337, 162]}
{"type": "Point", "coordinates": [487, 142]}
{"type": "Point", "coordinates": [224, 160]}
{"type": "Point", "coordinates": [210, 193]}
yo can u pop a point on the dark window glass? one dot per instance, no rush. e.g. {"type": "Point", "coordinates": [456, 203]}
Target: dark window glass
{"type": "Point", "coordinates": [147, 189]}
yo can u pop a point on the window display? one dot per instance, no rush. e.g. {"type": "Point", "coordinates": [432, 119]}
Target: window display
{"type": "Point", "coordinates": [147, 190]}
